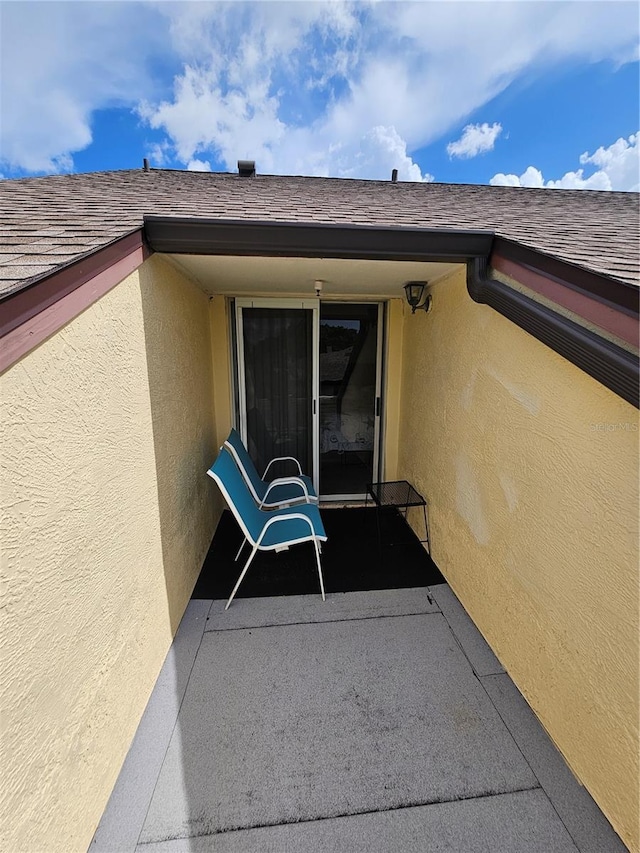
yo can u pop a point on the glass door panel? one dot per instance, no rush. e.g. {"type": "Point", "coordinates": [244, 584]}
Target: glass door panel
{"type": "Point", "coordinates": [277, 355]}
{"type": "Point", "coordinates": [349, 383]}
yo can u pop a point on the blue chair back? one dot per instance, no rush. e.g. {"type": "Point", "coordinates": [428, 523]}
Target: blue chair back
{"type": "Point", "coordinates": [247, 463]}
{"type": "Point", "coordinates": [225, 471]}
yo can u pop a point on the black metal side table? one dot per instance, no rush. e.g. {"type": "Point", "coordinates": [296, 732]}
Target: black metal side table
{"type": "Point", "coordinates": [397, 494]}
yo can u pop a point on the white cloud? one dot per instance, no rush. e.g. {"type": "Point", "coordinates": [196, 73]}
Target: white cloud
{"type": "Point", "coordinates": [531, 177]}
{"type": "Point", "coordinates": [620, 162]}
{"type": "Point", "coordinates": [619, 170]}
{"type": "Point", "coordinates": [476, 139]}
{"type": "Point", "coordinates": [236, 124]}
{"type": "Point", "coordinates": [373, 155]}
{"type": "Point", "coordinates": [315, 88]}
{"type": "Point", "coordinates": [159, 153]}
{"type": "Point", "coordinates": [60, 62]}
{"type": "Point", "coordinates": [385, 144]}
{"type": "Point", "coordinates": [198, 166]}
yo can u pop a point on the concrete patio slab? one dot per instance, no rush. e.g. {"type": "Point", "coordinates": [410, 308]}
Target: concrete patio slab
{"type": "Point", "coordinates": [124, 815]}
{"type": "Point", "coordinates": [584, 821]}
{"type": "Point", "coordinates": [524, 822]}
{"type": "Point", "coordinates": [295, 609]}
{"type": "Point", "coordinates": [365, 706]}
{"type": "Point", "coordinates": [475, 647]}
{"type": "Point", "coordinates": [303, 722]}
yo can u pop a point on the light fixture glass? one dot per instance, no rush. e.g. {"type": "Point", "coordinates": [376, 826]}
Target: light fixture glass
{"type": "Point", "coordinates": [414, 291]}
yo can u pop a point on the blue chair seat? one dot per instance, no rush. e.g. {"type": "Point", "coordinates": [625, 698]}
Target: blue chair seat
{"type": "Point", "coordinates": [293, 529]}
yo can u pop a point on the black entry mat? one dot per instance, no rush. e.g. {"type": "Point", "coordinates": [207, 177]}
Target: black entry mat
{"type": "Point", "coordinates": [351, 559]}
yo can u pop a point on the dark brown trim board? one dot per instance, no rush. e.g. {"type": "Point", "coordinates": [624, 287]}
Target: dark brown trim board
{"type": "Point", "coordinates": [39, 311]}
{"type": "Point", "coordinates": [613, 366]}
{"type": "Point", "coordinates": [185, 235]}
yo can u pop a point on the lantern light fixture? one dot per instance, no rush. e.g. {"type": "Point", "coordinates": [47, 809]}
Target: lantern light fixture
{"type": "Point", "coordinates": [414, 291]}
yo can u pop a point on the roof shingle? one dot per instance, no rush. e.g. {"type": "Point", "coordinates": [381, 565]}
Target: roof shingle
{"type": "Point", "coordinates": [64, 217]}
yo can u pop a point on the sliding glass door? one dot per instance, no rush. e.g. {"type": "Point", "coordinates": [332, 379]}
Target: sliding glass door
{"type": "Point", "coordinates": [349, 398]}
{"type": "Point", "coordinates": [309, 387]}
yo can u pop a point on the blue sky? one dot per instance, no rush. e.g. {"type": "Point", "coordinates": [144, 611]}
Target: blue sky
{"type": "Point", "coordinates": [521, 93]}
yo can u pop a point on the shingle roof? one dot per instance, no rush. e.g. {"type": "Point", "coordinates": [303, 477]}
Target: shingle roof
{"type": "Point", "coordinates": [46, 223]}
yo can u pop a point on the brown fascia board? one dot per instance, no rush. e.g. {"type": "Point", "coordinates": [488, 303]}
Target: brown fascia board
{"type": "Point", "coordinates": [614, 367]}
{"type": "Point", "coordinates": [602, 302]}
{"type": "Point", "coordinates": [36, 312]}
{"type": "Point", "coordinates": [185, 235]}
{"type": "Point", "coordinates": [611, 292]}
{"type": "Point", "coordinates": [21, 305]}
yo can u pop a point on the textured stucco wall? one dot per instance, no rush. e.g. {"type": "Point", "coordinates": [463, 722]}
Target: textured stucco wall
{"type": "Point", "coordinates": [531, 471]}
{"type": "Point", "coordinates": [180, 373]}
{"type": "Point", "coordinates": [102, 432]}
{"type": "Point", "coordinates": [221, 355]}
{"type": "Point", "coordinates": [221, 358]}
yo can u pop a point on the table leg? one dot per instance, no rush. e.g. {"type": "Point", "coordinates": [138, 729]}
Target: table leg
{"type": "Point", "coordinates": [379, 536]}
{"type": "Point", "coordinates": [426, 528]}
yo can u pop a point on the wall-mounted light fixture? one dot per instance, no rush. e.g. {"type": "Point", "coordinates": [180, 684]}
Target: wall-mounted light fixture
{"type": "Point", "coordinates": [318, 287]}
{"type": "Point", "coordinates": [414, 291]}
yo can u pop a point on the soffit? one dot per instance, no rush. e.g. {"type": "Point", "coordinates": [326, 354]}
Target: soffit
{"type": "Point", "coordinates": [239, 276]}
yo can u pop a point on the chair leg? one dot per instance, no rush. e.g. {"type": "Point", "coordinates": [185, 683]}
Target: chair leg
{"type": "Point", "coordinates": [240, 549]}
{"type": "Point", "coordinates": [242, 574]}
{"type": "Point", "coordinates": [317, 545]}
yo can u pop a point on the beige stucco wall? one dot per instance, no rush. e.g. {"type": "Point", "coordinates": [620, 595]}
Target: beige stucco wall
{"type": "Point", "coordinates": [219, 318]}
{"type": "Point", "coordinates": [180, 375]}
{"type": "Point", "coordinates": [531, 471]}
{"type": "Point", "coordinates": [105, 434]}
{"type": "Point", "coordinates": [221, 354]}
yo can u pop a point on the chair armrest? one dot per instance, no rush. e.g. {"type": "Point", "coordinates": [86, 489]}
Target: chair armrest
{"type": "Point", "coordinates": [287, 481]}
{"type": "Point", "coordinates": [282, 459]}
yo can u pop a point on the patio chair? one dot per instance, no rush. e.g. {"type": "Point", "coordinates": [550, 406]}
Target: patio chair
{"type": "Point", "coordinates": [283, 491]}
{"type": "Point", "coordinates": [279, 493]}
{"type": "Point", "coordinates": [266, 530]}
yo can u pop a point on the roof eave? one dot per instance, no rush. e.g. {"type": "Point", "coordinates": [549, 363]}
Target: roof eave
{"type": "Point", "coordinates": [188, 235]}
